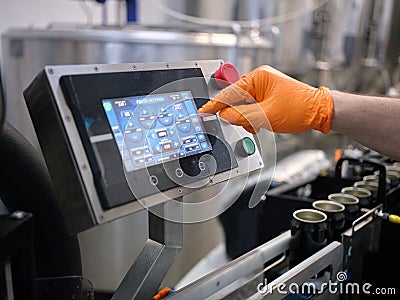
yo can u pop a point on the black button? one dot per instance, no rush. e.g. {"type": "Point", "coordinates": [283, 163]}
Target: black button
{"type": "Point", "coordinates": [179, 172]}
{"type": "Point", "coordinates": [202, 166]}
{"type": "Point", "coordinates": [153, 180]}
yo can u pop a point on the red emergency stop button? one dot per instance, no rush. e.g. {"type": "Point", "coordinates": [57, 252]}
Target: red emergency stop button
{"type": "Point", "coordinates": [225, 75]}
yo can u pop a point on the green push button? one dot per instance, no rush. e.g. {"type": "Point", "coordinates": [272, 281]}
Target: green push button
{"type": "Point", "coordinates": [245, 147]}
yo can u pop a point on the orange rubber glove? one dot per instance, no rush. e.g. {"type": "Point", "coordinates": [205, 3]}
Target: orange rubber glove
{"type": "Point", "coordinates": [162, 293]}
{"type": "Point", "coordinates": [267, 98]}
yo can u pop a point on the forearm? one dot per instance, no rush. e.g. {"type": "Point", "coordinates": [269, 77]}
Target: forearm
{"type": "Point", "coordinates": [372, 121]}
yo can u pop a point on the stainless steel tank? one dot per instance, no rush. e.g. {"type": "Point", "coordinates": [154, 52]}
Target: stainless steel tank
{"type": "Point", "coordinates": [286, 22]}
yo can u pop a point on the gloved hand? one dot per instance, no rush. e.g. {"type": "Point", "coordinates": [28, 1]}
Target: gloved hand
{"type": "Point", "coordinates": [164, 292]}
{"type": "Point", "coordinates": [268, 98]}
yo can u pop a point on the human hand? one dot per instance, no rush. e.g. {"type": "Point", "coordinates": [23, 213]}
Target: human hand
{"type": "Point", "coordinates": [267, 98]}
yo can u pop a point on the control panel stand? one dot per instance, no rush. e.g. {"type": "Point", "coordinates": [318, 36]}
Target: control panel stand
{"type": "Point", "coordinates": [143, 279]}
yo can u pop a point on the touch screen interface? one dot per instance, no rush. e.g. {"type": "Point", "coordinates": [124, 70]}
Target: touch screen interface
{"type": "Point", "coordinates": [156, 128]}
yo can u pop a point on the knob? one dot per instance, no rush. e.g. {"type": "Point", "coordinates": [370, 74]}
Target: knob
{"type": "Point", "coordinates": [225, 75]}
{"type": "Point", "coordinates": [245, 147]}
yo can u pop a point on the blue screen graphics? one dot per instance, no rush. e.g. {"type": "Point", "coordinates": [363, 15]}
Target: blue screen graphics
{"type": "Point", "coordinates": [156, 128]}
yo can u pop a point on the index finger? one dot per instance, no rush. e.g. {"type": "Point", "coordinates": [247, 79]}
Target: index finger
{"type": "Point", "coordinates": [235, 94]}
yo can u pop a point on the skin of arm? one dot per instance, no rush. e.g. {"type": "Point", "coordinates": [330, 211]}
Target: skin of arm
{"type": "Point", "coordinates": [370, 120]}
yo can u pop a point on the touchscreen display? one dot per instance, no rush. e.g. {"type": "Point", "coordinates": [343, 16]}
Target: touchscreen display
{"type": "Point", "coordinates": [156, 128]}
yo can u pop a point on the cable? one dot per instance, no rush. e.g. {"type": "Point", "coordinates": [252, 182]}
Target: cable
{"type": "Point", "coordinates": [394, 219]}
{"type": "Point", "coordinates": [243, 24]}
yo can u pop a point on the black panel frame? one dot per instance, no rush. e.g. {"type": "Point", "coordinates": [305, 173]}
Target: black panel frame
{"type": "Point", "coordinates": [83, 94]}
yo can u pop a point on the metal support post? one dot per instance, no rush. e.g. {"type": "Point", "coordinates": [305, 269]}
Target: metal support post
{"type": "Point", "coordinates": [143, 279]}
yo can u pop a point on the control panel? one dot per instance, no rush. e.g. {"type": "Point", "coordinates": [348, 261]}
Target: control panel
{"type": "Point", "coordinates": [125, 137]}
{"type": "Point", "coordinates": [153, 129]}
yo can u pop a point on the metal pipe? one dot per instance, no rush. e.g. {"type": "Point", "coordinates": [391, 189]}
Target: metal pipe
{"type": "Point", "coordinates": [248, 10]}
{"type": "Point", "coordinates": [131, 9]}
{"type": "Point", "coordinates": [104, 14]}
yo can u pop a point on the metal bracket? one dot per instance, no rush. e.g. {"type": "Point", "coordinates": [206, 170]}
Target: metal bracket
{"type": "Point", "coordinates": [143, 279]}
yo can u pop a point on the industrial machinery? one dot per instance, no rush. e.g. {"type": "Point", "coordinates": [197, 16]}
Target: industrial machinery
{"type": "Point", "coordinates": [320, 42]}
{"type": "Point", "coordinates": [354, 264]}
{"type": "Point", "coordinates": [121, 131]}
{"type": "Point", "coordinates": [128, 137]}
{"type": "Point", "coordinates": [368, 240]}
{"type": "Point", "coordinates": [123, 138]}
